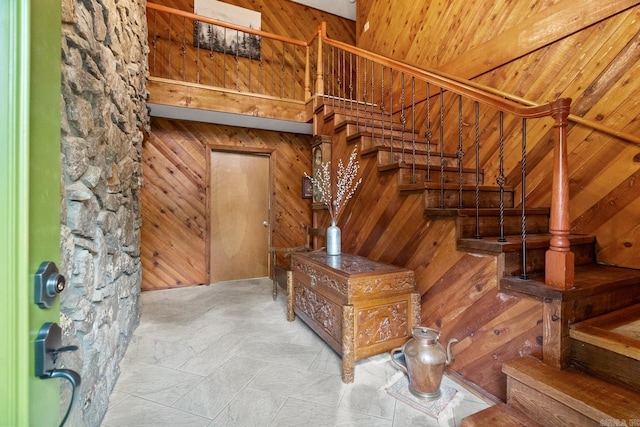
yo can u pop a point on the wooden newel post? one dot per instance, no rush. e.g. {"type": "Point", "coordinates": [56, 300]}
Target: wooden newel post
{"type": "Point", "coordinates": [559, 260]}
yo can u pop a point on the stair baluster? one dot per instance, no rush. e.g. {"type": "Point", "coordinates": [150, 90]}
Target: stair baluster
{"type": "Point", "coordinates": [501, 179]}
{"type": "Point", "coordinates": [523, 170]}
{"type": "Point", "coordinates": [441, 149]}
{"type": "Point", "coordinates": [460, 153]}
{"type": "Point", "coordinates": [428, 133]}
{"type": "Point", "coordinates": [477, 146]}
{"type": "Point", "coordinates": [391, 111]}
{"type": "Point", "coordinates": [382, 105]}
{"type": "Point", "coordinates": [413, 130]}
{"type": "Point", "coordinates": [372, 97]}
{"type": "Point", "coordinates": [403, 119]}
{"type": "Point", "coordinates": [351, 84]}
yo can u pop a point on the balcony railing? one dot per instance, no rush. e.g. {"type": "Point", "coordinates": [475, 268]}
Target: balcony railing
{"type": "Point", "coordinates": [419, 116]}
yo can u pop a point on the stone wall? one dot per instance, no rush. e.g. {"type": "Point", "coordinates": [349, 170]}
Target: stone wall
{"type": "Point", "coordinates": [104, 117]}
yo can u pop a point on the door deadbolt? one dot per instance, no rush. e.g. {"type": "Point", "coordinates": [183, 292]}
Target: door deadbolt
{"type": "Point", "coordinates": [48, 284]}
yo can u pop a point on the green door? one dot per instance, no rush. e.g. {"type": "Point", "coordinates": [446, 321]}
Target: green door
{"type": "Point", "coordinates": [29, 200]}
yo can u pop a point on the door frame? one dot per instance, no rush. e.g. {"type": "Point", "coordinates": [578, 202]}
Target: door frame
{"type": "Point", "coordinates": [30, 213]}
{"type": "Point", "coordinates": [271, 153]}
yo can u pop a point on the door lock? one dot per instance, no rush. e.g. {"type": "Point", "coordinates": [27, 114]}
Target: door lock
{"type": "Point", "coordinates": [47, 351]}
{"type": "Point", "coordinates": [48, 284]}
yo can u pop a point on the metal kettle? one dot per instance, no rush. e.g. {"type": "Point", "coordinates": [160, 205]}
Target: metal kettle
{"type": "Point", "coordinates": [425, 360]}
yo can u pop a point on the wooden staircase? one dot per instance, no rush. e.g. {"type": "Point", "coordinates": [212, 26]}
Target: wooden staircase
{"type": "Point", "coordinates": [589, 373]}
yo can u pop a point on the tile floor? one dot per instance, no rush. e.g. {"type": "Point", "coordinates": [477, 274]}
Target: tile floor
{"type": "Point", "coordinates": [225, 355]}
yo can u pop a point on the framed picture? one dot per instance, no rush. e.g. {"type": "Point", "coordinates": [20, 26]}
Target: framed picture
{"type": "Point", "coordinates": [307, 187]}
{"type": "Point", "coordinates": [219, 39]}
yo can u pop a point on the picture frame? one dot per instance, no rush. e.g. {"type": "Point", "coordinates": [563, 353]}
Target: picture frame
{"type": "Point", "coordinates": [218, 39]}
{"type": "Point", "coordinates": [307, 187]}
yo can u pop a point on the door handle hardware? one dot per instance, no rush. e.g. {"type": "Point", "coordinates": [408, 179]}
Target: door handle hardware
{"type": "Point", "coordinates": [48, 284]}
{"type": "Point", "coordinates": [47, 351]}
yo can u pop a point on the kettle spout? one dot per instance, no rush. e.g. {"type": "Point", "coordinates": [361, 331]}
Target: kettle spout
{"type": "Point", "coordinates": [450, 357]}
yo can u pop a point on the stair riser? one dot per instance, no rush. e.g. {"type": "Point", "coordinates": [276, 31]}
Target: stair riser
{"type": "Point", "coordinates": [386, 158]}
{"type": "Point", "coordinates": [487, 199]}
{"type": "Point", "coordinates": [584, 254]}
{"type": "Point", "coordinates": [490, 225]}
{"type": "Point", "coordinates": [544, 409]}
{"type": "Point", "coordinates": [377, 127]}
{"type": "Point", "coordinates": [406, 176]}
{"type": "Point", "coordinates": [368, 142]}
{"type": "Point", "coordinates": [606, 365]}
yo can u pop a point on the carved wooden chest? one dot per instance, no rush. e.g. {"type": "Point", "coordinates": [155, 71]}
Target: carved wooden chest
{"type": "Point", "coordinates": [358, 306]}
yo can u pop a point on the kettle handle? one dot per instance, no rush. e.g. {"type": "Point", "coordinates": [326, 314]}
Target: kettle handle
{"type": "Point", "coordinates": [395, 362]}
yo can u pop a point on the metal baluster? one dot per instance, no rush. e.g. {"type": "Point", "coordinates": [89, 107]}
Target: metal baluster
{"type": "Point", "coordinates": [339, 81]}
{"type": "Point", "coordinates": [351, 84]}
{"type": "Point", "coordinates": [428, 133]}
{"type": "Point", "coordinates": [477, 144]}
{"type": "Point", "coordinates": [250, 66]}
{"type": "Point", "coordinates": [364, 94]}
{"type": "Point", "coordinates": [169, 49]}
{"type": "Point", "coordinates": [358, 93]}
{"type": "Point", "coordinates": [224, 61]}
{"type": "Point", "coordinates": [293, 73]}
{"type": "Point", "coordinates": [183, 49]}
{"type": "Point", "coordinates": [524, 275]}
{"type": "Point", "coordinates": [237, 59]}
{"type": "Point", "coordinates": [372, 106]}
{"type": "Point", "coordinates": [198, 61]}
{"type": "Point", "coordinates": [155, 40]}
{"type": "Point", "coordinates": [441, 149]}
{"type": "Point", "coordinates": [344, 77]}
{"type": "Point", "coordinates": [282, 70]}
{"type": "Point", "coordinates": [391, 111]}
{"type": "Point", "coordinates": [333, 77]}
{"type": "Point", "coordinates": [460, 153]}
{"type": "Point", "coordinates": [501, 180]}
{"type": "Point", "coordinates": [382, 106]}
{"type": "Point", "coordinates": [403, 119]}
{"type": "Point", "coordinates": [413, 130]}
{"type": "Point", "coordinates": [261, 84]}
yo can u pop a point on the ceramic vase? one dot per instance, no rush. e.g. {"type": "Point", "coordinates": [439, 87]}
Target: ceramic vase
{"type": "Point", "coordinates": [333, 239]}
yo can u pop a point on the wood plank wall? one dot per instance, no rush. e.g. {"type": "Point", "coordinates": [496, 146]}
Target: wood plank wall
{"type": "Point", "coordinates": [592, 58]}
{"type": "Point", "coordinates": [174, 196]}
{"type": "Point", "coordinates": [596, 66]}
{"type": "Point", "coordinates": [169, 58]}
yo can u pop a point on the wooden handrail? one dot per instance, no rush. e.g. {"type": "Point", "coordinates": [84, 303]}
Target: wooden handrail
{"type": "Point", "coordinates": [224, 24]}
{"type": "Point", "coordinates": [508, 106]}
{"type": "Point", "coordinates": [560, 261]}
{"type": "Point", "coordinates": [627, 137]}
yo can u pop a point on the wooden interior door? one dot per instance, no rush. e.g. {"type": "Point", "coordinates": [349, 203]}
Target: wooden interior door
{"type": "Point", "coordinates": [239, 216]}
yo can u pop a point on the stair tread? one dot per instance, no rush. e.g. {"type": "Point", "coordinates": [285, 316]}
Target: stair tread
{"type": "Point", "coordinates": [587, 395]}
{"type": "Point", "coordinates": [455, 187]}
{"type": "Point", "coordinates": [408, 152]}
{"type": "Point", "coordinates": [618, 331]}
{"type": "Point", "coordinates": [499, 414]}
{"type": "Point", "coordinates": [471, 212]}
{"type": "Point", "coordinates": [590, 279]}
{"type": "Point", "coordinates": [514, 242]}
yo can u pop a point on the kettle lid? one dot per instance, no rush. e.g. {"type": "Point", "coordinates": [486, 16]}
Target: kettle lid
{"type": "Point", "coordinates": [421, 332]}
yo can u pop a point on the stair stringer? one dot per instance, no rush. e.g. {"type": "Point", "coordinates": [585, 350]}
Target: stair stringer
{"type": "Point", "coordinates": [459, 290]}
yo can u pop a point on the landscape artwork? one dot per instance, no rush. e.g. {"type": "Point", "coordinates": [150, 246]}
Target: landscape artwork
{"type": "Point", "coordinates": [220, 39]}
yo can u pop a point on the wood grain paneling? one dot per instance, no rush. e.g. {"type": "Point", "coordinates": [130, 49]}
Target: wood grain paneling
{"type": "Point", "coordinates": [592, 58]}
{"type": "Point", "coordinates": [596, 64]}
{"type": "Point", "coordinates": [174, 196]}
{"type": "Point", "coordinates": [279, 72]}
